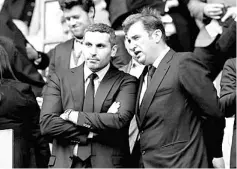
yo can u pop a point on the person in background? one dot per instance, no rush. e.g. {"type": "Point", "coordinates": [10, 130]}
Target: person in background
{"type": "Point", "coordinates": [19, 111]}
{"type": "Point", "coordinates": [174, 98]}
{"type": "Point", "coordinates": [228, 100]}
{"type": "Point", "coordinates": [78, 15]}
{"type": "Point", "coordinates": [87, 109]}
{"type": "Point", "coordinates": [31, 59]}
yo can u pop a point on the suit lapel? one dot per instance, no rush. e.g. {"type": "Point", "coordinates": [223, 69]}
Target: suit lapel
{"type": "Point", "coordinates": [65, 53]}
{"type": "Point", "coordinates": [76, 80]}
{"type": "Point", "coordinates": [155, 83]}
{"type": "Point", "coordinates": [104, 87]}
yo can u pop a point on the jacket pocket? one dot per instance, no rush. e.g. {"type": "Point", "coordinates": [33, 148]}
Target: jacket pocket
{"type": "Point", "coordinates": [173, 148]}
{"type": "Point", "coordinates": [163, 92]}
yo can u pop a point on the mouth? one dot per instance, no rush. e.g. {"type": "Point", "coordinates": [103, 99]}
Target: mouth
{"type": "Point", "coordinates": [137, 54]}
{"type": "Point", "coordinates": [92, 60]}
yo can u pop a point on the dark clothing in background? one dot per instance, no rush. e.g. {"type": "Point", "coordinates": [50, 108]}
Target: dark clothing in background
{"type": "Point", "coordinates": [228, 100]}
{"type": "Point", "coordinates": [25, 68]}
{"type": "Point", "coordinates": [19, 111]}
{"type": "Point", "coordinates": [20, 9]}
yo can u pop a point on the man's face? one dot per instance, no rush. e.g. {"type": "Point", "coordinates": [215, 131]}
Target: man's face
{"type": "Point", "coordinates": [140, 43]}
{"type": "Point", "coordinates": [77, 20]}
{"type": "Point", "coordinates": [97, 50]}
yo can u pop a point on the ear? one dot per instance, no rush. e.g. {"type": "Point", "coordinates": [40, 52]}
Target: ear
{"type": "Point", "coordinates": [91, 13]}
{"type": "Point", "coordinates": [157, 35]}
{"type": "Point", "coordinates": [114, 50]}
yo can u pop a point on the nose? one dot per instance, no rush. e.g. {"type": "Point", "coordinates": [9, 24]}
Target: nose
{"type": "Point", "coordinates": [93, 51]}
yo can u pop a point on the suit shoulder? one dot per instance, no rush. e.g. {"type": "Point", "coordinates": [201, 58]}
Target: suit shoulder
{"type": "Point", "coordinates": [127, 75]}
{"type": "Point", "coordinates": [64, 43]}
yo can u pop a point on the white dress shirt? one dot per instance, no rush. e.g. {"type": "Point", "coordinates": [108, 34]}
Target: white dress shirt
{"type": "Point", "coordinates": [155, 64]}
{"type": "Point", "coordinates": [76, 54]}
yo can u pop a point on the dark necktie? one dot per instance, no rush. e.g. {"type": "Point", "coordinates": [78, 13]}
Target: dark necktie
{"type": "Point", "coordinates": [90, 92]}
{"type": "Point", "coordinates": [84, 151]}
{"type": "Point", "coordinates": [151, 71]}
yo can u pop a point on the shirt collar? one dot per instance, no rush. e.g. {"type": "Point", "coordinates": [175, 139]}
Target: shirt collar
{"type": "Point", "coordinates": [159, 58]}
{"type": "Point", "coordinates": [100, 74]}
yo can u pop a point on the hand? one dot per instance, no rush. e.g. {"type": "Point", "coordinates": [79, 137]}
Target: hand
{"type": "Point", "coordinates": [231, 12]}
{"type": "Point", "coordinates": [170, 4]}
{"type": "Point", "coordinates": [114, 107]}
{"type": "Point", "coordinates": [32, 54]}
{"type": "Point", "coordinates": [218, 162]}
{"type": "Point", "coordinates": [213, 11]}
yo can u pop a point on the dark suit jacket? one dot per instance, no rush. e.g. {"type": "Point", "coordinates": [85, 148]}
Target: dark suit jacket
{"type": "Point", "coordinates": [169, 117]}
{"type": "Point", "coordinates": [19, 111]}
{"type": "Point", "coordinates": [228, 100]}
{"type": "Point", "coordinates": [60, 56]}
{"type": "Point", "coordinates": [25, 67]}
{"type": "Point", "coordinates": [65, 90]}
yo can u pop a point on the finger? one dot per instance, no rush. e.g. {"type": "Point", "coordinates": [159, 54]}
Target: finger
{"type": "Point", "coordinates": [216, 5]}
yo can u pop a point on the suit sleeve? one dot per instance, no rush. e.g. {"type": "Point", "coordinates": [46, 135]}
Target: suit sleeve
{"type": "Point", "coordinates": [51, 123]}
{"type": "Point", "coordinates": [228, 88]}
{"type": "Point", "coordinates": [108, 121]}
{"type": "Point", "coordinates": [193, 77]}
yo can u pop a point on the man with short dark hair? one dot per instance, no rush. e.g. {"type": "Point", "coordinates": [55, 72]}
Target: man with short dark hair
{"type": "Point", "coordinates": [87, 110]}
{"type": "Point", "coordinates": [174, 97]}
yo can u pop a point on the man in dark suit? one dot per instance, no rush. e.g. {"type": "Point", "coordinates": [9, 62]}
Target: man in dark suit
{"type": "Point", "coordinates": [30, 60]}
{"type": "Point", "coordinates": [171, 103]}
{"type": "Point", "coordinates": [74, 111]}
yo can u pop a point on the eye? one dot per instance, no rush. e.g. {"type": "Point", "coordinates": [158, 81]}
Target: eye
{"type": "Point", "coordinates": [88, 44]}
{"type": "Point", "coordinates": [100, 45]}
{"type": "Point", "coordinates": [67, 18]}
{"type": "Point", "coordinates": [76, 17]}
{"type": "Point", "coordinates": [136, 38]}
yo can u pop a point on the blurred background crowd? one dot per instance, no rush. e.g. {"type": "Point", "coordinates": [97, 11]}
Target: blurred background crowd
{"type": "Point", "coordinates": [190, 25]}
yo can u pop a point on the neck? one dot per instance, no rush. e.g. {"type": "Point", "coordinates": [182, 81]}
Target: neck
{"type": "Point", "coordinates": [159, 50]}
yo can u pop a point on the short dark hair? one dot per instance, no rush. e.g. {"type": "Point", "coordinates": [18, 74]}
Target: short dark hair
{"type": "Point", "coordinates": [85, 4]}
{"type": "Point", "coordinates": [150, 18]}
{"type": "Point", "coordinates": [102, 28]}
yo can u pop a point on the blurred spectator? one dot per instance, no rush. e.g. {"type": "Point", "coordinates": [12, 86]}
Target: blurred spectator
{"type": "Point", "coordinates": [228, 100]}
{"type": "Point", "coordinates": [21, 9]}
{"type": "Point", "coordinates": [78, 15]}
{"type": "Point", "coordinates": [29, 59]}
{"type": "Point", "coordinates": [19, 111]}
{"type": "Point", "coordinates": [211, 12]}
